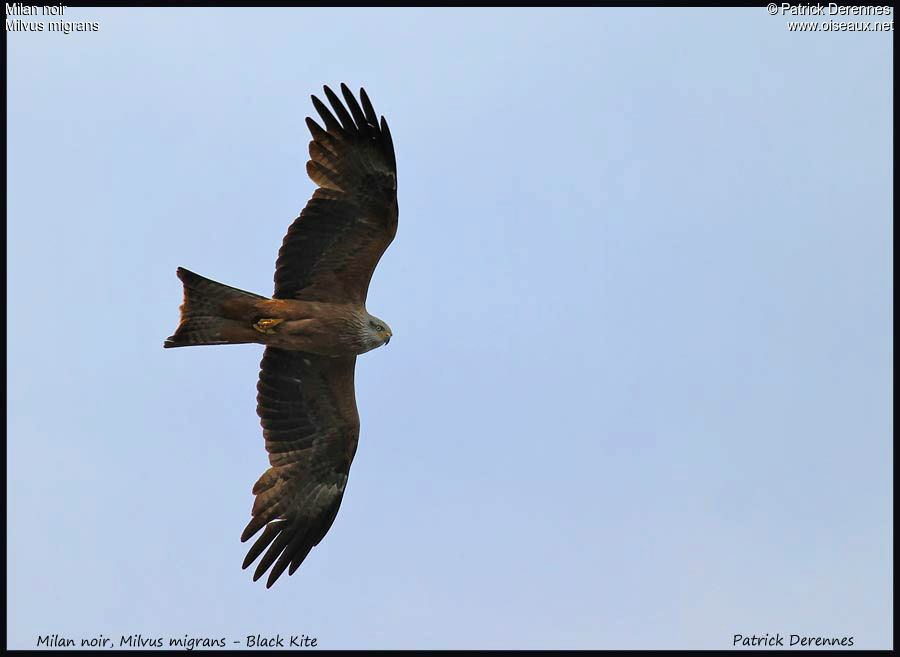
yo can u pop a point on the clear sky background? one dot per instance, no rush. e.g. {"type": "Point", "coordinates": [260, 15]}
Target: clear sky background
{"type": "Point", "coordinates": [639, 393]}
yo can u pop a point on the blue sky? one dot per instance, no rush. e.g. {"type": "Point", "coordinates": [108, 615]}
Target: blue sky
{"type": "Point", "coordinates": [639, 391]}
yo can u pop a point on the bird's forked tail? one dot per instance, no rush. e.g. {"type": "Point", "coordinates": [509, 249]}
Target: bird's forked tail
{"type": "Point", "coordinates": [203, 319]}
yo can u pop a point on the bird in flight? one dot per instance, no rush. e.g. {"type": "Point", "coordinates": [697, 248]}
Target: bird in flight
{"type": "Point", "coordinates": [314, 326]}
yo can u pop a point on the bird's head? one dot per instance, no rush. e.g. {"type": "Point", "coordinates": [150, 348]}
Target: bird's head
{"type": "Point", "coordinates": [378, 332]}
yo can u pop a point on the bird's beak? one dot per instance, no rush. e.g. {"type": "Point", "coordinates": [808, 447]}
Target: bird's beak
{"type": "Point", "coordinates": [387, 338]}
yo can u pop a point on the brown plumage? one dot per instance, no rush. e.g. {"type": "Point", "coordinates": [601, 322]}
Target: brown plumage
{"type": "Point", "coordinates": [314, 326]}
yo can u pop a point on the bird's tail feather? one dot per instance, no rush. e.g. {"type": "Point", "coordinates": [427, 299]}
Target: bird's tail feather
{"type": "Point", "coordinates": [202, 320]}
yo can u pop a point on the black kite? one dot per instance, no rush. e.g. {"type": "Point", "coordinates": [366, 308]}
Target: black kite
{"type": "Point", "coordinates": [313, 327]}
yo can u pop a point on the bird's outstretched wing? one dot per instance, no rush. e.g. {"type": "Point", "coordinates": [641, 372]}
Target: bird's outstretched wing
{"type": "Point", "coordinates": [332, 248]}
{"type": "Point", "coordinates": [307, 407]}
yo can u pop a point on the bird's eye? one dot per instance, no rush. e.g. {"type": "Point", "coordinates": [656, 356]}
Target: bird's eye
{"type": "Point", "coordinates": [379, 327]}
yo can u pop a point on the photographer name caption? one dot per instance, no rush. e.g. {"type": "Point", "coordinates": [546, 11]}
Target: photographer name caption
{"type": "Point", "coordinates": [186, 641]}
{"type": "Point", "coordinates": [789, 640]}
{"type": "Point", "coordinates": [39, 12]}
{"type": "Point", "coordinates": [821, 13]}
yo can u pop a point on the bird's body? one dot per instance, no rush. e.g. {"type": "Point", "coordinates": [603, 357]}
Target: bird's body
{"type": "Point", "coordinates": [317, 327]}
{"type": "Point", "coordinates": [313, 327]}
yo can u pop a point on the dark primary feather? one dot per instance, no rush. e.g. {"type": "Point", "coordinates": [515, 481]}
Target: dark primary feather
{"type": "Point", "coordinates": [332, 248]}
{"type": "Point", "coordinates": [307, 409]}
